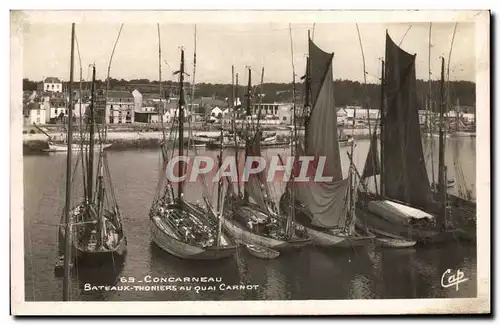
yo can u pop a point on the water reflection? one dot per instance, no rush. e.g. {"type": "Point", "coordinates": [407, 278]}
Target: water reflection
{"type": "Point", "coordinates": [310, 273]}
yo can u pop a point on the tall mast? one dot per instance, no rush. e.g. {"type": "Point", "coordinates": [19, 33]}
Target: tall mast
{"type": "Point", "coordinates": [67, 231]}
{"type": "Point", "coordinates": [235, 91]}
{"type": "Point", "coordinates": [260, 95]}
{"type": "Point", "coordinates": [161, 109]}
{"type": "Point", "coordinates": [441, 176]}
{"type": "Point", "coordinates": [90, 167]}
{"type": "Point", "coordinates": [247, 131]}
{"type": "Point", "coordinates": [382, 130]}
{"type": "Point", "coordinates": [291, 215]}
{"type": "Point", "coordinates": [307, 98]}
{"type": "Point", "coordinates": [194, 72]}
{"type": "Point", "coordinates": [181, 122]}
{"type": "Point", "coordinates": [430, 122]}
{"type": "Point", "coordinates": [367, 107]}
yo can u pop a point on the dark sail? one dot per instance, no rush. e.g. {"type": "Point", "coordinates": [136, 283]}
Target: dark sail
{"type": "Point", "coordinates": [257, 183]}
{"type": "Point", "coordinates": [405, 175]}
{"type": "Point", "coordinates": [372, 164]}
{"type": "Point", "coordinates": [325, 201]}
{"type": "Point", "coordinates": [322, 134]}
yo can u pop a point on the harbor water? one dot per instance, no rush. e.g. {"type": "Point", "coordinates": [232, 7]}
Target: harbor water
{"type": "Point", "coordinates": [311, 273]}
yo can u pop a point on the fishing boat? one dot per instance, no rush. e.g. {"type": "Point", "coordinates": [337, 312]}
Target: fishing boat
{"type": "Point", "coordinates": [182, 229]}
{"type": "Point", "coordinates": [253, 217]}
{"type": "Point", "coordinates": [92, 231]}
{"type": "Point", "coordinates": [56, 147]}
{"type": "Point", "coordinates": [406, 205]}
{"type": "Point", "coordinates": [326, 209]}
{"type": "Point", "coordinates": [346, 141]}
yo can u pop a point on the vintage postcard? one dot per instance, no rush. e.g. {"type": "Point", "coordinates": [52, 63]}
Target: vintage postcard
{"type": "Point", "coordinates": [250, 162]}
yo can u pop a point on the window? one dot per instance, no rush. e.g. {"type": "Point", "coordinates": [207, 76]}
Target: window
{"type": "Point", "coordinates": [38, 112]}
{"type": "Point", "coordinates": [38, 120]}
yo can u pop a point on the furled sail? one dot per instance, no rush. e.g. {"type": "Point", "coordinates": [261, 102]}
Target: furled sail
{"type": "Point", "coordinates": [325, 201]}
{"type": "Point", "coordinates": [405, 177]}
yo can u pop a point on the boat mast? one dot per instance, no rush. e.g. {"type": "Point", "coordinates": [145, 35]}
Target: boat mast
{"type": "Point", "coordinates": [382, 131]}
{"type": "Point", "coordinates": [181, 123]}
{"type": "Point", "coordinates": [90, 167]}
{"type": "Point", "coordinates": [430, 122]}
{"type": "Point", "coordinates": [261, 98]}
{"type": "Point", "coordinates": [307, 85]}
{"type": "Point", "coordinates": [441, 175]}
{"type": "Point", "coordinates": [367, 108]}
{"type": "Point", "coordinates": [247, 131]}
{"type": "Point", "coordinates": [67, 231]}
{"type": "Point", "coordinates": [194, 75]}
{"type": "Point", "coordinates": [236, 139]}
{"type": "Point", "coordinates": [291, 215]}
{"type": "Point", "coordinates": [233, 105]}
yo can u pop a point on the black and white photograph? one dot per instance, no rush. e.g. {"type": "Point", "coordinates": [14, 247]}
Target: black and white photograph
{"type": "Point", "coordinates": [250, 162]}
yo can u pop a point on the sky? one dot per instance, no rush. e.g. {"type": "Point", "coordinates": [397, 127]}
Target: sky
{"type": "Point", "coordinates": [46, 49]}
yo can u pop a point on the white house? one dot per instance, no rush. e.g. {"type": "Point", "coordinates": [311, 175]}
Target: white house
{"type": "Point", "coordinates": [52, 84]}
{"type": "Point", "coordinates": [468, 117]}
{"type": "Point", "coordinates": [120, 107]}
{"type": "Point", "coordinates": [216, 112]}
{"type": "Point", "coordinates": [35, 113]}
{"type": "Point", "coordinates": [285, 114]}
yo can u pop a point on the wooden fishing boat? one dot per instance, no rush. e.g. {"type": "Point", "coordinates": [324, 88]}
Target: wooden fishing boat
{"type": "Point", "coordinates": [95, 242]}
{"type": "Point", "coordinates": [258, 223]}
{"type": "Point", "coordinates": [262, 252]}
{"type": "Point", "coordinates": [346, 141]}
{"type": "Point", "coordinates": [394, 242]}
{"type": "Point", "coordinates": [55, 147]}
{"type": "Point", "coordinates": [251, 224]}
{"type": "Point", "coordinates": [96, 236]}
{"type": "Point", "coordinates": [405, 189]}
{"type": "Point", "coordinates": [182, 229]}
{"type": "Point", "coordinates": [325, 209]}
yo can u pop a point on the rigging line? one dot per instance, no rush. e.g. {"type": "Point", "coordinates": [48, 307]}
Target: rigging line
{"type": "Point", "coordinates": [404, 36]}
{"type": "Point", "coordinates": [162, 106]}
{"type": "Point", "coordinates": [448, 64]}
{"type": "Point", "coordinates": [80, 109]}
{"type": "Point", "coordinates": [107, 80]}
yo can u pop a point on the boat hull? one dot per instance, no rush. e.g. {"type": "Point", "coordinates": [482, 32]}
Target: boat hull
{"type": "Point", "coordinates": [74, 147]}
{"type": "Point", "coordinates": [95, 258]}
{"type": "Point", "coordinates": [98, 258]}
{"type": "Point", "coordinates": [345, 143]}
{"type": "Point", "coordinates": [248, 237]}
{"type": "Point", "coordinates": [394, 243]}
{"type": "Point", "coordinates": [184, 250]}
{"type": "Point", "coordinates": [328, 240]}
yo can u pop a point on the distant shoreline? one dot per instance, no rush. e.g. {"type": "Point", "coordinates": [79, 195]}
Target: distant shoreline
{"type": "Point", "coordinates": [121, 140]}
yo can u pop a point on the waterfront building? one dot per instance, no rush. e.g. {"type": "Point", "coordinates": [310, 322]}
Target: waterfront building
{"type": "Point", "coordinates": [51, 84]}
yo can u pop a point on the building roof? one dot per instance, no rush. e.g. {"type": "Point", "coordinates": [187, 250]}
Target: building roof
{"type": "Point", "coordinates": [119, 94]}
{"type": "Point", "coordinates": [52, 80]}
